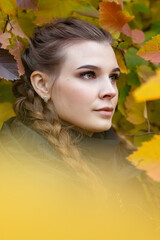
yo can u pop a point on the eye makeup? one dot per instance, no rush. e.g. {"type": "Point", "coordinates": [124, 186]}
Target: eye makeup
{"type": "Point", "coordinates": [114, 76]}
{"type": "Point", "coordinates": [92, 75]}
{"type": "Point", "coordinates": [88, 75]}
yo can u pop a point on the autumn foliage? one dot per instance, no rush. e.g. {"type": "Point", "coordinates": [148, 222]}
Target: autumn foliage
{"type": "Point", "coordinates": [135, 26]}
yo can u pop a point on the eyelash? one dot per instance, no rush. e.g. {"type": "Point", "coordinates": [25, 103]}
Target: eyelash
{"type": "Point", "coordinates": [89, 72]}
{"type": "Point", "coordinates": [114, 76]}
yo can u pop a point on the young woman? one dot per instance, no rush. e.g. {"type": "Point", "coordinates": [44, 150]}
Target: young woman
{"type": "Point", "coordinates": [64, 106]}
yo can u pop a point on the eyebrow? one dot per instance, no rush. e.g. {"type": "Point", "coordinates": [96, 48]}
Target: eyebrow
{"type": "Point", "coordinates": [97, 68]}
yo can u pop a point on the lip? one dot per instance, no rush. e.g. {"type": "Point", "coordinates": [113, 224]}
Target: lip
{"type": "Point", "coordinates": [106, 111]}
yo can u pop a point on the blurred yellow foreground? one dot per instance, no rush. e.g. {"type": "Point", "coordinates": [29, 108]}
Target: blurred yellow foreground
{"type": "Point", "coordinates": [36, 205]}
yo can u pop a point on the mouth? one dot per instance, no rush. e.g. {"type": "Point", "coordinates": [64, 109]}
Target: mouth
{"type": "Point", "coordinates": [106, 111]}
{"type": "Point", "coordinates": [109, 109]}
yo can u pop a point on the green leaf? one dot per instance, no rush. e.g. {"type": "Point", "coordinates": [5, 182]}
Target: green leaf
{"type": "Point", "coordinates": [87, 10]}
{"type": "Point", "coordinates": [6, 94]}
{"type": "Point", "coordinates": [154, 113]}
{"type": "Point", "coordinates": [140, 7]}
{"type": "Point", "coordinates": [6, 111]}
{"type": "Point", "coordinates": [140, 139]}
{"type": "Point", "coordinates": [132, 59]}
{"type": "Point", "coordinates": [26, 21]}
{"type": "Point", "coordinates": [154, 30]}
{"type": "Point", "coordinates": [144, 72]}
{"type": "Point", "coordinates": [123, 93]}
{"type": "Point", "coordinates": [133, 79]}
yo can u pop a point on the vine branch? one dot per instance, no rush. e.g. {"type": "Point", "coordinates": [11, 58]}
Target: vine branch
{"type": "Point", "coordinates": [141, 134]}
{"type": "Point", "coordinates": [7, 22]}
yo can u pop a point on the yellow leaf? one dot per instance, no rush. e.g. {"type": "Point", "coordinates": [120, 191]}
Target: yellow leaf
{"type": "Point", "coordinates": [149, 90]}
{"type": "Point", "coordinates": [151, 50]}
{"type": "Point", "coordinates": [135, 111]}
{"type": "Point", "coordinates": [147, 157]}
{"type": "Point", "coordinates": [144, 72]}
{"type": "Point", "coordinates": [121, 60]}
{"type": "Point", "coordinates": [8, 6]}
{"type": "Point", "coordinates": [49, 9]}
{"type": "Point", "coordinates": [6, 111]}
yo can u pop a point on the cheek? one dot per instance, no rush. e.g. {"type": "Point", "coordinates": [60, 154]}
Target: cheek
{"type": "Point", "coordinates": [116, 98]}
{"type": "Point", "coordinates": [77, 94]}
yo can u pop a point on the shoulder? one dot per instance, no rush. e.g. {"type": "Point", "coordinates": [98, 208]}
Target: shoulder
{"type": "Point", "coordinates": [15, 134]}
{"type": "Point", "coordinates": [14, 130]}
{"type": "Point", "coordinates": [22, 147]}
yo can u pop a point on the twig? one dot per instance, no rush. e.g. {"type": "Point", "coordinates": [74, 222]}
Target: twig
{"type": "Point", "coordinates": [149, 126]}
{"type": "Point", "coordinates": [7, 21]}
{"type": "Point", "coordinates": [141, 134]}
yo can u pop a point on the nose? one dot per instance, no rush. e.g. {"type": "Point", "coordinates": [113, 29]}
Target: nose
{"type": "Point", "coordinates": [108, 89]}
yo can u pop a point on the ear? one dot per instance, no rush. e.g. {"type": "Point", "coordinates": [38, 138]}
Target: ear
{"type": "Point", "coordinates": [40, 82]}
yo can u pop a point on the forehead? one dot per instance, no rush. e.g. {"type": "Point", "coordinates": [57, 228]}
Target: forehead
{"type": "Point", "coordinates": [100, 54]}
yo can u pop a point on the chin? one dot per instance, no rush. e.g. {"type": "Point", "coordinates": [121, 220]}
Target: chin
{"type": "Point", "coordinates": [100, 128]}
{"type": "Point", "coordinates": [103, 126]}
{"type": "Point", "coordinates": [103, 129]}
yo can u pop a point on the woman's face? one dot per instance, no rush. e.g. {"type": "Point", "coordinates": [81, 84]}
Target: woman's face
{"type": "Point", "coordinates": [85, 93]}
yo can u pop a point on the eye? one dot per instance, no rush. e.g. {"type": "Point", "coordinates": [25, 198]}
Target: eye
{"type": "Point", "coordinates": [88, 75]}
{"type": "Point", "coordinates": [114, 77]}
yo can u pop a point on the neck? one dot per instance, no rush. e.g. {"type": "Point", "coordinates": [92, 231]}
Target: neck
{"type": "Point", "coordinates": [84, 131]}
{"type": "Point", "coordinates": [78, 129]}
